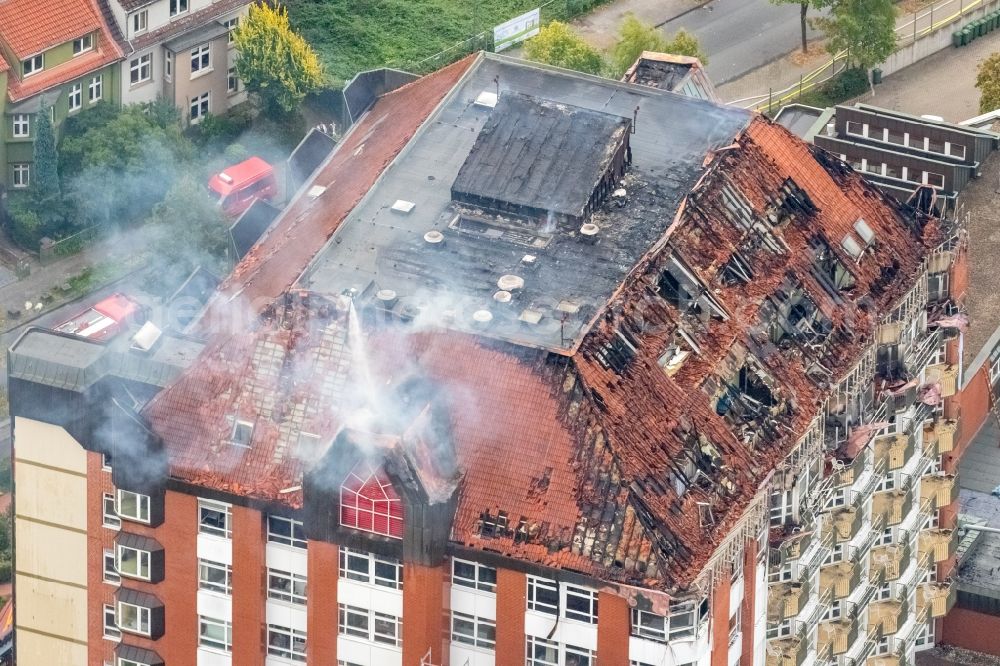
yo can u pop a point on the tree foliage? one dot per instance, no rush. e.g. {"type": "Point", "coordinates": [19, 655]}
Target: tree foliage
{"type": "Point", "coordinates": [804, 6]}
{"type": "Point", "coordinates": [45, 179]}
{"type": "Point", "coordinates": [634, 37]}
{"type": "Point", "coordinates": [274, 62]}
{"type": "Point", "coordinates": [117, 171]}
{"type": "Point", "coordinates": [988, 82]}
{"type": "Point", "coordinates": [557, 45]}
{"type": "Point", "coordinates": [865, 29]}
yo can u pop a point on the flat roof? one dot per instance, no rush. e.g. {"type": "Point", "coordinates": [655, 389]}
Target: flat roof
{"type": "Point", "coordinates": [569, 282]}
{"type": "Point", "coordinates": [798, 119]}
{"type": "Point", "coordinates": [978, 476]}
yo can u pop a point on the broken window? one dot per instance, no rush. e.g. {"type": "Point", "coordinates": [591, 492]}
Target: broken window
{"type": "Point", "coordinates": [789, 200]}
{"type": "Point", "coordinates": [737, 270]}
{"type": "Point", "coordinates": [678, 349]}
{"type": "Point", "coordinates": [242, 432]}
{"type": "Point", "coordinates": [888, 364]}
{"type": "Point", "coordinates": [618, 352]}
{"type": "Point", "coordinates": [937, 287]}
{"type": "Point", "coordinates": [828, 268]}
{"type": "Point", "coordinates": [748, 398]}
{"type": "Point", "coordinates": [679, 287]}
{"type": "Point", "coordinates": [794, 316]}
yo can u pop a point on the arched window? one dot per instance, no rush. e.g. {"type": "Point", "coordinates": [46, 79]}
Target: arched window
{"type": "Point", "coordinates": [368, 502]}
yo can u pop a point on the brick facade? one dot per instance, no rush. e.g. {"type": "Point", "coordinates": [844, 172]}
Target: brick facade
{"type": "Point", "coordinates": [612, 629]}
{"type": "Point", "coordinates": [249, 571]}
{"type": "Point", "coordinates": [323, 574]}
{"type": "Point", "coordinates": [511, 601]}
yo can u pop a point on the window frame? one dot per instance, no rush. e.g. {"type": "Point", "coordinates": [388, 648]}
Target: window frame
{"type": "Point", "coordinates": [83, 44]}
{"type": "Point", "coordinates": [231, 25]}
{"type": "Point", "coordinates": [168, 66]}
{"type": "Point", "coordinates": [178, 7]}
{"type": "Point", "coordinates": [370, 576]}
{"type": "Point", "coordinates": [473, 639]}
{"type": "Point", "coordinates": [294, 526]}
{"type": "Point", "coordinates": [29, 66]}
{"type": "Point", "coordinates": [140, 17]}
{"type": "Point", "coordinates": [477, 582]}
{"type": "Point", "coordinates": [140, 69]}
{"type": "Point", "coordinates": [239, 425]}
{"type": "Point", "coordinates": [225, 645]}
{"type": "Point", "coordinates": [139, 506]}
{"type": "Point", "coordinates": [111, 631]}
{"type": "Point", "coordinates": [75, 94]}
{"type": "Point", "coordinates": [111, 519]}
{"type": "Point", "coordinates": [201, 60]}
{"type": "Point", "coordinates": [141, 610]}
{"type": "Point", "coordinates": [928, 175]}
{"type": "Point", "coordinates": [587, 596]}
{"type": "Point", "coordinates": [21, 125]}
{"type": "Point", "coordinates": [20, 175]}
{"type": "Point", "coordinates": [224, 532]}
{"type": "Point", "coordinates": [140, 556]}
{"type": "Point", "coordinates": [536, 583]}
{"type": "Point", "coordinates": [110, 575]}
{"type": "Point", "coordinates": [232, 81]}
{"type": "Point", "coordinates": [96, 83]}
{"type": "Point", "coordinates": [358, 515]}
{"type": "Point", "coordinates": [208, 585]}
{"type": "Point", "coordinates": [291, 595]}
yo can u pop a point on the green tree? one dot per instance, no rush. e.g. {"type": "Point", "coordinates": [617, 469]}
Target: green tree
{"type": "Point", "coordinates": [865, 29]}
{"type": "Point", "coordinates": [988, 82]}
{"type": "Point", "coordinates": [557, 45]}
{"type": "Point", "coordinates": [45, 186]}
{"type": "Point", "coordinates": [634, 37]}
{"type": "Point", "coordinates": [804, 6]}
{"type": "Point", "coordinates": [274, 62]}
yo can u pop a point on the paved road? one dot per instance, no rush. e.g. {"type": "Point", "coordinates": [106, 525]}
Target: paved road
{"type": "Point", "coordinates": [741, 35]}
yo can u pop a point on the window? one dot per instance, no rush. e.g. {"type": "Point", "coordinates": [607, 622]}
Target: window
{"type": "Point", "coordinates": [140, 21]}
{"type": "Point", "coordinates": [856, 129]}
{"type": "Point", "coordinates": [75, 97]}
{"type": "Point", "coordinates": [201, 59]}
{"type": "Point", "coordinates": [955, 150]}
{"type": "Point", "coordinates": [168, 65]}
{"type": "Point", "coordinates": [781, 507]}
{"type": "Point", "coordinates": [133, 562]}
{"type": "Point", "coordinates": [285, 586]}
{"type": "Point", "coordinates": [231, 25]}
{"type": "Point", "coordinates": [215, 634]}
{"type": "Point", "coordinates": [34, 64]}
{"type": "Point", "coordinates": [233, 83]}
{"type": "Point", "coordinates": [543, 652]}
{"type": "Point", "coordinates": [82, 45]}
{"type": "Point", "coordinates": [96, 88]}
{"type": "Point", "coordinates": [21, 175]}
{"type": "Point", "coordinates": [368, 502]}
{"type": "Point", "coordinates": [678, 625]}
{"type": "Point", "coordinates": [471, 630]}
{"type": "Point", "coordinates": [353, 621]}
{"type": "Point", "coordinates": [110, 567]}
{"type": "Point", "coordinates": [22, 125]}
{"type": "Point", "coordinates": [937, 287]}
{"type": "Point", "coordinates": [285, 530]}
{"type": "Point", "coordinates": [111, 518]}
{"type": "Point", "coordinates": [387, 629]}
{"type": "Point", "coordinates": [242, 430]}
{"type": "Point", "coordinates": [133, 506]}
{"type": "Point", "coordinates": [141, 69]}
{"type": "Point", "coordinates": [734, 626]}
{"type": "Point", "coordinates": [371, 569]}
{"type": "Point", "coordinates": [995, 366]}
{"type": "Point", "coordinates": [213, 518]}
{"type": "Point", "coordinates": [474, 575]}
{"type": "Point", "coordinates": [110, 625]}
{"type": "Point", "coordinates": [133, 618]}
{"type": "Point", "coordinates": [935, 179]}
{"type": "Point", "coordinates": [215, 577]}
{"type": "Point", "coordinates": [581, 604]}
{"type": "Point", "coordinates": [178, 7]}
{"type": "Point", "coordinates": [285, 642]}
{"type": "Point", "coordinates": [543, 595]}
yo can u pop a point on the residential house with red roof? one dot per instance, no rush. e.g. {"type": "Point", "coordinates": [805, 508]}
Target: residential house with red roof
{"type": "Point", "coordinates": [58, 57]}
{"type": "Point", "coordinates": [179, 50]}
{"type": "Point", "coordinates": [537, 368]}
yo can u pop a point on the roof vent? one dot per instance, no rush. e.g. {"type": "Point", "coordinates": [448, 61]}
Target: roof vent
{"type": "Point", "coordinates": [434, 238]}
{"type": "Point", "coordinates": [386, 297]}
{"type": "Point", "coordinates": [146, 337]}
{"type": "Point", "coordinates": [531, 316]}
{"type": "Point", "coordinates": [226, 178]}
{"type": "Point", "coordinates": [502, 296]}
{"type": "Point", "coordinates": [589, 231]}
{"type": "Point", "coordinates": [402, 206]}
{"type": "Point", "coordinates": [865, 231]}
{"type": "Point", "coordinates": [487, 99]}
{"type": "Point", "coordinates": [851, 247]}
{"type": "Point", "coordinates": [316, 190]}
{"type": "Point", "coordinates": [510, 282]}
{"type": "Point", "coordinates": [482, 317]}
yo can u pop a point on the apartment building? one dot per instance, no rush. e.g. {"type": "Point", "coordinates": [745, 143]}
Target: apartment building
{"type": "Point", "coordinates": [538, 368]}
{"type": "Point", "coordinates": [57, 57]}
{"type": "Point", "coordinates": [179, 50]}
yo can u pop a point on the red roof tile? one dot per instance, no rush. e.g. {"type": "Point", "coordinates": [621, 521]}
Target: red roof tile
{"type": "Point", "coordinates": [31, 26]}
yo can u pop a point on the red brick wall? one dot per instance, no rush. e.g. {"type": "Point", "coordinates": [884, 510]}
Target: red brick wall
{"type": "Point", "coordinates": [972, 630]}
{"type": "Point", "coordinates": [720, 621]}
{"type": "Point", "coordinates": [248, 587]}
{"type": "Point", "coordinates": [424, 613]}
{"type": "Point", "coordinates": [749, 592]}
{"type": "Point", "coordinates": [512, 587]}
{"type": "Point", "coordinates": [612, 629]}
{"type": "Point", "coordinates": [98, 538]}
{"type": "Point", "coordinates": [321, 602]}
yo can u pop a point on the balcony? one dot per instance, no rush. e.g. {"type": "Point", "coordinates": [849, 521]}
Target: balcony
{"type": "Point", "coordinates": [937, 543]}
{"type": "Point", "coordinates": [836, 637]}
{"type": "Point", "coordinates": [939, 436]}
{"type": "Point", "coordinates": [941, 489]}
{"type": "Point", "coordinates": [794, 546]}
{"type": "Point", "coordinates": [850, 472]}
{"type": "Point", "coordinates": [843, 524]}
{"type": "Point", "coordinates": [891, 560]}
{"type": "Point", "coordinates": [839, 579]}
{"type": "Point", "coordinates": [888, 615]}
{"type": "Point", "coordinates": [892, 505]}
{"type": "Point", "coordinates": [892, 452]}
{"type": "Point", "coordinates": [786, 600]}
{"type": "Point", "coordinates": [787, 651]}
{"type": "Point", "coordinates": [945, 375]}
{"type": "Point", "coordinates": [893, 659]}
{"type": "Point", "coordinates": [935, 598]}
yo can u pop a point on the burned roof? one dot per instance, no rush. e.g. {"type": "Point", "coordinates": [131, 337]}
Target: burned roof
{"type": "Point", "coordinates": [445, 260]}
{"type": "Point", "coordinates": [539, 156]}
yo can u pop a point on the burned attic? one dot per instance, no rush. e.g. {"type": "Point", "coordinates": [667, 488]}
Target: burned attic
{"type": "Point", "coordinates": [545, 324]}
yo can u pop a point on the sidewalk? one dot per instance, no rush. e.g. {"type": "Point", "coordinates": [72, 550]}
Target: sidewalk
{"type": "Point", "coordinates": [600, 27]}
